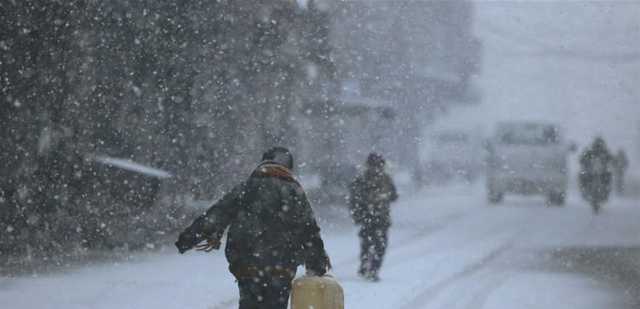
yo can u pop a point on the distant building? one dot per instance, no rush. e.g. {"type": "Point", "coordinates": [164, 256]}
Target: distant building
{"type": "Point", "coordinates": [341, 133]}
{"type": "Point", "coordinates": [398, 65]}
{"type": "Point", "coordinates": [353, 125]}
{"type": "Point", "coordinates": [419, 56]}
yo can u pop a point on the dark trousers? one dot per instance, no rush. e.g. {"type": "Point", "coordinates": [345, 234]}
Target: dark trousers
{"type": "Point", "coordinates": [373, 244]}
{"type": "Point", "coordinates": [264, 292]}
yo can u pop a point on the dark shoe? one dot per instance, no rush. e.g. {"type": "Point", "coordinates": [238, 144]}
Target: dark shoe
{"type": "Point", "coordinates": [372, 277]}
{"type": "Point", "coordinates": [362, 272]}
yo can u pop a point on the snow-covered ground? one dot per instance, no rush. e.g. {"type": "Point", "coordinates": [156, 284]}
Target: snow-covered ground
{"type": "Point", "coordinates": [449, 249]}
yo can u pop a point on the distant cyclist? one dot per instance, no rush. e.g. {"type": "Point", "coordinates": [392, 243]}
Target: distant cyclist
{"type": "Point", "coordinates": [595, 174]}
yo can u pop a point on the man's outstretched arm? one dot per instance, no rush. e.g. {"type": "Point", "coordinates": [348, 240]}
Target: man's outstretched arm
{"type": "Point", "coordinates": [210, 226]}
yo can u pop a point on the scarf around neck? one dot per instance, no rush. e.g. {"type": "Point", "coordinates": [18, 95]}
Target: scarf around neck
{"type": "Point", "coordinates": [269, 169]}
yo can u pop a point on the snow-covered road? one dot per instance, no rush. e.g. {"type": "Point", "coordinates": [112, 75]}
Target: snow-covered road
{"type": "Point", "coordinates": [449, 249]}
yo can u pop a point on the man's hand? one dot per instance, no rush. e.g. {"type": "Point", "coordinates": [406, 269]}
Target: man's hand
{"type": "Point", "coordinates": [185, 242]}
{"type": "Point", "coordinates": [208, 246]}
{"type": "Point", "coordinates": [320, 267]}
{"type": "Point", "coordinates": [316, 273]}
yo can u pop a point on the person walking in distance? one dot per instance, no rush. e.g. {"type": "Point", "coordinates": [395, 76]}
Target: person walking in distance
{"type": "Point", "coordinates": [370, 196]}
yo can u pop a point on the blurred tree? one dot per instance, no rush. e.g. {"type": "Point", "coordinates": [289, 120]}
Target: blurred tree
{"type": "Point", "coordinates": [37, 135]}
{"type": "Point", "coordinates": [199, 88]}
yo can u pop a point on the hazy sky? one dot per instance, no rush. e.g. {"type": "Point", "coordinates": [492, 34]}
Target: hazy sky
{"type": "Point", "coordinates": [575, 62]}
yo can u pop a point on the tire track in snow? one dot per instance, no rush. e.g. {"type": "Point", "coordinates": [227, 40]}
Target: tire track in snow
{"type": "Point", "coordinates": [427, 295]}
{"type": "Point", "coordinates": [443, 222]}
{"type": "Point", "coordinates": [229, 303]}
{"type": "Point", "coordinates": [488, 285]}
{"type": "Point", "coordinates": [477, 289]}
{"type": "Point", "coordinates": [422, 232]}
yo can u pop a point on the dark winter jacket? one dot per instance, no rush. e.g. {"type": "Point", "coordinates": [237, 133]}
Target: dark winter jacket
{"type": "Point", "coordinates": [596, 159]}
{"type": "Point", "coordinates": [370, 196]}
{"type": "Point", "coordinates": [271, 225]}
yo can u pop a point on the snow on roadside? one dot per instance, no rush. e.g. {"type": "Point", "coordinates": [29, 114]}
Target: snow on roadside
{"type": "Point", "coordinates": [448, 248]}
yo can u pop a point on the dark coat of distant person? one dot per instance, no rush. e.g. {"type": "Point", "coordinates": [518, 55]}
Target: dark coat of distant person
{"type": "Point", "coordinates": [371, 194]}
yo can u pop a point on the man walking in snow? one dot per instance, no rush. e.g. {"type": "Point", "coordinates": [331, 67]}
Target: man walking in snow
{"type": "Point", "coordinates": [272, 230]}
{"type": "Point", "coordinates": [370, 196]}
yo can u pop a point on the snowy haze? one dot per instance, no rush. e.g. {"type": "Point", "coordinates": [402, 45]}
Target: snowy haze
{"type": "Point", "coordinates": [447, 250]}
{"type": "Point", "coordinates": [575, 62]}
{"type": "Point", "coordinates": [99, 191]}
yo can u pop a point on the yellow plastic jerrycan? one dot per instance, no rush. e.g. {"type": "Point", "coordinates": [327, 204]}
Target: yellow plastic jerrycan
{"type": "Point", "coordinates": [312, 292]}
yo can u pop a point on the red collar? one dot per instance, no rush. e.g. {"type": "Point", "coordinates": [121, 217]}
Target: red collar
{"type": "Point", "coordinates": [274, 170]}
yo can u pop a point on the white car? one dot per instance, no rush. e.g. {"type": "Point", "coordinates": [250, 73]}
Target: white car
{"type": "Point", "coordinates": [528, 158]}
